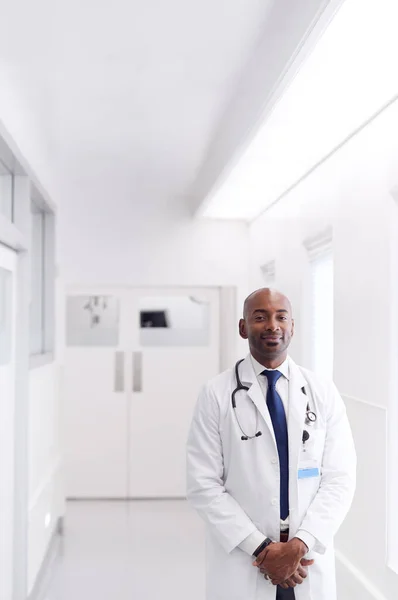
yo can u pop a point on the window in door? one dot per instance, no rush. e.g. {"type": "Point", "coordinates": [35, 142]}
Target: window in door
{"type": "Point", "coordinates": [174, 321]}
{"type": "Point", "coordinates": [92, 320]}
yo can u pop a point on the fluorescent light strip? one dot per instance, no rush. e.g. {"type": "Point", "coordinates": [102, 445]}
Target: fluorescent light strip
{"type": "Point", "coordinates": [350, 74]}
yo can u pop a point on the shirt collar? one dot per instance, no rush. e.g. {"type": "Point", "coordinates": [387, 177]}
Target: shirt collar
{"type": "Point", "coordinates": [283, 368]}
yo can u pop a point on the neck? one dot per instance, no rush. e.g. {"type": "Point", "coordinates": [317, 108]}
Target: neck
{"type": "Point", "coordinates": [269, 363]}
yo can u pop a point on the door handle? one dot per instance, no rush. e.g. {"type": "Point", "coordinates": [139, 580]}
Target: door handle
{"type": "Point", "coordinates": [137, 371]}
{"type": "Point", "coordinates": [119, 371]}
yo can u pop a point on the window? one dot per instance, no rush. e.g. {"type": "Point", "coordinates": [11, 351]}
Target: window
{"type": "Point", "coordinates": [322, 305]}
{"type": "Point", "coordinates": [42, 280]}
{"type": "Point", "coordinates": [6, 192]}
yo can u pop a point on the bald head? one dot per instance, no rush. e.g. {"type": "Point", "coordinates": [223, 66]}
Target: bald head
{"type": "Point", "coordinates": [268, 326]}
{"type": "Point", "coordinates": [267, 294]}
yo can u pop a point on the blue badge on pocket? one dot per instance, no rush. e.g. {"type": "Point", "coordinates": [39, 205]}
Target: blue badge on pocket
{"type": "Point", "coordinates": [308, 473]}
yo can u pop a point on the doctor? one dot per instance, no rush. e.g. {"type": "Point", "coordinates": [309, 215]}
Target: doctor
{"type": "Point", "coordinates": [271, 467]}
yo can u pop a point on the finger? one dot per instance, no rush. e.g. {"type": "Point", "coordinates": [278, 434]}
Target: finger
{"type": "Point", "coordinates": [291, 582]}
{"type": "Point", "coordinates": [306, 563]}
{"type": "Point", "coordinates": [258, 563]}
{"type": "Point", "coordinates": [297, 579]}
{"type": "Point", "coordinates": [283, 585]}
{"type": "Point", "coordinates": [302, 571]}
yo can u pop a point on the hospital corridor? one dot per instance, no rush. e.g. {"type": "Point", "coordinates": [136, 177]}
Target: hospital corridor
{"type": "Point", "coordinates": [198, 300]}
{"type": "Point", "coordinates": [128, 550]}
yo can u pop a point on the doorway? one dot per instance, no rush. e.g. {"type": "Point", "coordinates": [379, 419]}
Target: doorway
{"type": "Point", "coordinates": [135, 360]}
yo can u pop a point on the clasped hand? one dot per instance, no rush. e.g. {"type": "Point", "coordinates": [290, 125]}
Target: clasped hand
{"type": "Point", "coordinates": [283, 563]}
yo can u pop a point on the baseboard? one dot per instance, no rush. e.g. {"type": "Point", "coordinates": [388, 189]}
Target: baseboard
{"type": "Point", "coordinates": [43, 577]}
{"type": "Point", "coordinates": [352, 583]}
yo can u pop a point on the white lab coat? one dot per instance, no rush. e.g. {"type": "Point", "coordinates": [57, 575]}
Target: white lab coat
{"type": "Point", "coordinates": [234, 484]}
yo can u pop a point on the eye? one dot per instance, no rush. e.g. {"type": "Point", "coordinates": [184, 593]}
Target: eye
{"type": "Point", "coordinates": [259, 318]}
{"type": "Point", "coordinates": [283, 318]}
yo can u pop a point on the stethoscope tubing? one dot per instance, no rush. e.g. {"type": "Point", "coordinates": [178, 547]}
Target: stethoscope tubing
{"type": "Point", "coordinates": [310, 418]}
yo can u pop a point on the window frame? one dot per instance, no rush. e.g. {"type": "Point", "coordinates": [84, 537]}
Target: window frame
{"type": "Point", "coordinates": [47, 310]}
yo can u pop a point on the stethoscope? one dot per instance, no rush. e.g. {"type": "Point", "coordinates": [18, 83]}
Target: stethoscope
{"type": "Point", "coordinates": [310, 416]}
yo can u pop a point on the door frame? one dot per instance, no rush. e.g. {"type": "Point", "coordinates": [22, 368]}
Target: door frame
{"type": "Point", "coordinates": [15, 238]}
{"type": "Point", "coordinates": [227, 316]}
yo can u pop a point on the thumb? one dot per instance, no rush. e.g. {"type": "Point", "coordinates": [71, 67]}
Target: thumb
{"type": "Point", "coordinates": [306, 563]}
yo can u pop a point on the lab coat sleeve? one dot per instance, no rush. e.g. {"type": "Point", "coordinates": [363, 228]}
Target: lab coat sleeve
{"type": "Point", "coordinates": [338, 475]}
{"type": "Point", "coordinates": [205, 469]}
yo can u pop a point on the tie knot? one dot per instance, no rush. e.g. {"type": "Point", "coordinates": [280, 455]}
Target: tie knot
{"type": "Point", "coordinates": [272, 377]}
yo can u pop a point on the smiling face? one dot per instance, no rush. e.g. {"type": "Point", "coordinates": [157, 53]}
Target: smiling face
{"type": "Point", "coordinates": [268, 325]}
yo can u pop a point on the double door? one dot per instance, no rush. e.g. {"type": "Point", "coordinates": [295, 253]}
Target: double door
{"type": "Point", "coordinates": [134, 362]}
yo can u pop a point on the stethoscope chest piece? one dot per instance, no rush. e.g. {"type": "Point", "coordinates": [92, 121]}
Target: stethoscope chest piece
{"type": "Point", "coordinates": [311, 416]}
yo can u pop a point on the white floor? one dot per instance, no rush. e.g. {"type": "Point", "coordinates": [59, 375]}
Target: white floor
{"type": "Point", "coordinates": [129, 550]}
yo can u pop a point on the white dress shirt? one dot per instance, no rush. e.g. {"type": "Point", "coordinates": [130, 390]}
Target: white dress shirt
{"type": "Point", "coordinates": [253, 541]}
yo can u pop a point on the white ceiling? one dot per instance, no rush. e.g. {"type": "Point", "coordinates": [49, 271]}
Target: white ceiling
{"type": "Point", "coordinates": [141, 85]}
{"type": "Point", "coordinates": [148, 100]}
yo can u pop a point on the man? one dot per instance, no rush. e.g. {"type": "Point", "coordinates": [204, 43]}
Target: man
{"type": "Point", "coordinates": [271, 467]}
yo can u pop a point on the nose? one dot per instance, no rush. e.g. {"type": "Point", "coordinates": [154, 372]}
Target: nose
{"type": "Point", "coordinates": [273, 325]}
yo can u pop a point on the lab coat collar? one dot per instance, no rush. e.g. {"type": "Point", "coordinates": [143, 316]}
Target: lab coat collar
{"type": "Point", "coordinates": [283, 368]}
{"type": "Point", "coordinates": [248, 374]}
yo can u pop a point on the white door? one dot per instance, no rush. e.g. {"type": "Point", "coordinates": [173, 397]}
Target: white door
{"type": "Point", "coordinates": [126, 422]}
{"type": "Point", "coordinates": [8, 264]}
{"type": "Point", "coordinates": [171, 362]}
{"type": "Point", "coordinates": [94, 406]}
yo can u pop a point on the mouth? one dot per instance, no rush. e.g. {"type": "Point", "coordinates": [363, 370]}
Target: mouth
{"type": "Point", "coordinates": [271, 339]}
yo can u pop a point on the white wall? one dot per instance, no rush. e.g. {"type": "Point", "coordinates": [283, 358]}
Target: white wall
{"type": "Point", "coordinates": [117, 241]}
{"type": "Point", "coordinates": [24, 110]}
{"type": "Point", "coordinates": [351, 193]}
{"type": "Point", "coordinates": [46, 500]}
{"type": "Point", "coordinates": [26, 67]}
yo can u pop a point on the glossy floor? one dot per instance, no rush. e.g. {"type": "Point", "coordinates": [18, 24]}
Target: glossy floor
{"type": "Point", "coordinates": [145, 550]}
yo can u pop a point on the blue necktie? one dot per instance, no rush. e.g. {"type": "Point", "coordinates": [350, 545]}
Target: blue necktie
{"type": "Point", "coordinates": [278, 418]}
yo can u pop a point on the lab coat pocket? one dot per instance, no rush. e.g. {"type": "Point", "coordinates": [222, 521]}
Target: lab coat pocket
{"type": "Point", "coordinates": [308, 484]}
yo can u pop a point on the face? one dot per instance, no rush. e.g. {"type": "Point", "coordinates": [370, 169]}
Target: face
{"type": "Point", "coordinates": [268, 325]}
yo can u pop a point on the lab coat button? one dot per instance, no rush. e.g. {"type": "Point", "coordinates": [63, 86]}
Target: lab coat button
{"type": "Point", "coordinates": [274, 461]}
{"type": "Point", "coordinates": [274, 502]}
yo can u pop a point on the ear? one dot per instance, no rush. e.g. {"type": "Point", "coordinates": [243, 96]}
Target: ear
{"type": "Point", "coordinates": [242, 329]}
{"type": "Point", "coordinates": [292, 327]}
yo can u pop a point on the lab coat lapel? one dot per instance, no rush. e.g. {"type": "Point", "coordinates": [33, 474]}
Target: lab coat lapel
{"type": "Point", "coordinates": [255, 393]}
